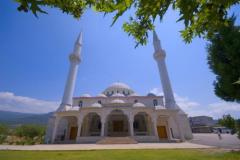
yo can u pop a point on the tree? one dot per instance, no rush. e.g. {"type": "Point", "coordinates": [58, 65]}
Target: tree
{"type": "Point", "coordinates": [201, 17]}
{"type": "Point", "coordinates": [238, 127]}
{"type": "Point", "coordinates": [228, 121]}
{"type": "Point", "coordinates": [224, 61]}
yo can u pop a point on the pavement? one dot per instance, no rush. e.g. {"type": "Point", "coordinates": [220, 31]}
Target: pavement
{"type": "Point", "coordinates": [184, 145]}
{"type": "Point", "coordinates": [228, 141]}
{"type": "Point", "coordinates": [199, 141]}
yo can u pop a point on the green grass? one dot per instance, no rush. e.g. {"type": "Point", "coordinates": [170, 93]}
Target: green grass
{"type": "Point", "coordinates": [177, 154]}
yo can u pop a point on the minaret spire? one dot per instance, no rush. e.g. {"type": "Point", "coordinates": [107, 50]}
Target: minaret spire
{"type": "Point", "coordinates": [156, 42]}
{"type": "Point", "coordinates": [159, 56]}
{"type": "Point", "coordinates": [75, 59]}
{"type": "Point", "coordinates": [78, 44]}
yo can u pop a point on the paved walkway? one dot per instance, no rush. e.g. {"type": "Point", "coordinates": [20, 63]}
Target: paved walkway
{"type": "Point", "coordinates": [228, 141]}
{"type": "Point", "coordinates": [199, 141]}
{"type": "Point", "coordinates": [106, 146]}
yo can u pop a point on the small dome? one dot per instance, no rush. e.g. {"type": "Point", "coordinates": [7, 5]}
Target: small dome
{"type": "Point", "coordinates": [151, 95]}
{"type": "Point", "coordinates": [96, 105]}
{"type": "Point", "coordinates": [133, 94]}
{"type": "Point", "coordinates": [101, 95]}
{"type": "Point", "coordinates": [117, 101]}
{"type": "Point", "coordinates": [86, 95]}
{"type": "Point", "coordinates": [117, 95]}
{"type": "Point", "coordinates": [138, 104]}
{"type": "Point", "coordinates": [160, 107]}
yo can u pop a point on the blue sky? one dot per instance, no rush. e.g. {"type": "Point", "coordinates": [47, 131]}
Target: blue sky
{"type": "Point", "coordinates": [34, 60]}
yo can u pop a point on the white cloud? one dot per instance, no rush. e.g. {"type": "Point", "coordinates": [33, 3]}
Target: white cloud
{"type": "Point", "coordinates": [193, 108]}
{"type": "Point", "coordinates": [11, 102]}
{"type": "Point", "coordinates": [222, 107]}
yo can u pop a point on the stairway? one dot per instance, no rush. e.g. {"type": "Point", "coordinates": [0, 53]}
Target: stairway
{"type": "Point", "coordinates": [117, 140]}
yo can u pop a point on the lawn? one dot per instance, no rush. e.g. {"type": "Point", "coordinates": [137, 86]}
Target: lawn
{"type": "Point", "coordinates": [177, 154]}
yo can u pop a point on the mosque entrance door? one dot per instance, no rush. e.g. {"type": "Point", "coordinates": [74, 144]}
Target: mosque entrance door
{"type": "Point", "coordinates": [73, 133]}
{"type": "Point", "coordinates": [117, 126]}
{"type": "Point", "coordinates": [162, 132]}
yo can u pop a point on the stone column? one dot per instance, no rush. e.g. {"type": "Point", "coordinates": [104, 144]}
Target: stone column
{"type": "Point", "coordinates": [57, 119]}
{"type": "Point", "coordinates": [79, 129]}
{"type": "Point", "coordinates": [169, 131]}
{"type": "Point", "coordinates": [103, 121]}
{"type": "Point", "coordinates": [131, 120]}
{"type": "Point", "coordinates": [155, 126]}
{"type": "Point", "coordinates": [176, 119]}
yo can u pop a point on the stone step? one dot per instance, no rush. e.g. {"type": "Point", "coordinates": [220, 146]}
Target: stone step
{"type": "Point", "coordinates": [117, 140]}
{"type": "Point", "coordinates": [170, 141]}
{"type": "Point", "coordinates": [65, 142]}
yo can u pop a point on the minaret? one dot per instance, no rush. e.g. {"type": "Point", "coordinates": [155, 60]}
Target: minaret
{"type": "Point", "coordinates": [75, 59]}
{"type": "Point", "coordinates": [159, 56]}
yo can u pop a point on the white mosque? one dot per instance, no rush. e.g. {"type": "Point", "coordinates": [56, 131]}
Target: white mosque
{"type": "Point", "coordinates": [118, 114]}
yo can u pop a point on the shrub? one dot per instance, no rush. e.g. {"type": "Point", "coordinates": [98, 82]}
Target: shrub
{"type": "Point", "coordinates": [2, 138]}
{"type": "Point", "coordinates": [3, 132]}
{"type": "Point", "coordinates": [30, 131]}
{"type": "Point", "coordinates": [3, 129]}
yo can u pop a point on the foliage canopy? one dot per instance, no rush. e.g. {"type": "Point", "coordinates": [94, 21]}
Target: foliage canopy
{"type": "Point", "coordinates": [228, 121]}
{"type": "Point", "coordinates": [201, 17]}
{"type": "Point", "coordinates": [224, 61]}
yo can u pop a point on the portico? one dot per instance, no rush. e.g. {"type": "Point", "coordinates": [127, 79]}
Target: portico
{"type": "Point", "coordinates": [143, 125]}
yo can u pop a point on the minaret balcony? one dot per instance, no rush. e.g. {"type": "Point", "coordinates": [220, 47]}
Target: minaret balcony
{"type": "Point", "coordinates": [159, 55]}
{"type": "Point", "coordinates": [74, 58]}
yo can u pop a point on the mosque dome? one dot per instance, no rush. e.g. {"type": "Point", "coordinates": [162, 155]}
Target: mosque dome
{"type": "Point", "coordinates": [119, 85]}
{"type": "Point", "coordinates": [86, 95]}
{"type": "Point", "coordinates": [133, 94]}
{"type": "Point", "coordinates": [151, 95]}
{"type": "Point", "coordinates": [118, 88]}
{"type": "Point", "coordinates": [117, 95]}
{"type": "Point", "coordinates": [101, 95]}
{"type": "Point", "coordinates": [138, 104]}
{"type": "Point", "coordinates": [117, 101]}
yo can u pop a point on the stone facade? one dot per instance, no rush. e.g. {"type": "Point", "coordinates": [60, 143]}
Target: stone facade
{"type": "Point", "coordinates": [118, 111]}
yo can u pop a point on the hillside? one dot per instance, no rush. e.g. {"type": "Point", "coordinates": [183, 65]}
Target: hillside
{"type": "Point", "coordinates": [17, 118]}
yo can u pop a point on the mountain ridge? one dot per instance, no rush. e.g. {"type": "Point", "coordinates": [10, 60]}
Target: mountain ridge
{"type": "Point", "coordinates": [18, 118]}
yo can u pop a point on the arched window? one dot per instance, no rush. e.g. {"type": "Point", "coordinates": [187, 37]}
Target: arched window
{"type": "Point", "coordinates": [155, 102]}
{"type": "Point", "coordinates": [135, 101]}
{"type": "Point", "coordinates": [99, 102]}
{"type": "Point", "coordinates": [80, 104]}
